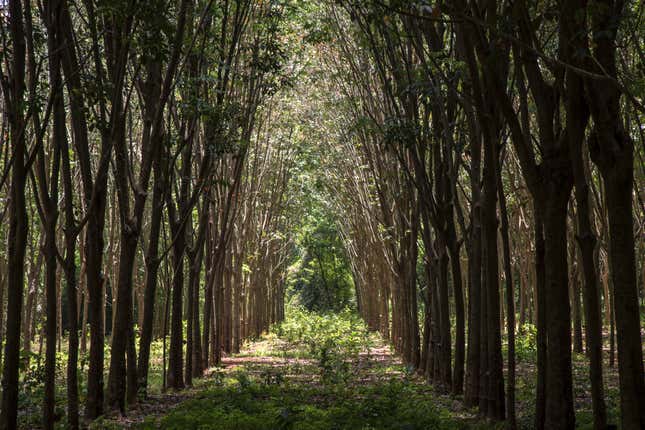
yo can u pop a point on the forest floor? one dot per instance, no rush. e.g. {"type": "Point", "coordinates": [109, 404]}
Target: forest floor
{"type": "Point", "coordinates": [313, 372]}
{"type": "Point", "coordinates": [328, 372]}
{"type": "Point", "coordinates": [324, 372]}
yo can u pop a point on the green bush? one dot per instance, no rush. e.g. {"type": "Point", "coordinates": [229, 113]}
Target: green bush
{"type": "Point", "coordinates": [526, 343]}
{"type": "Point", "coordinates": [334, 340]}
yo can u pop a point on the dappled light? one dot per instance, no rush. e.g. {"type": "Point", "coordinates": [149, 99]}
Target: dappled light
{"type": "Point", "coordinates": [333, 215]}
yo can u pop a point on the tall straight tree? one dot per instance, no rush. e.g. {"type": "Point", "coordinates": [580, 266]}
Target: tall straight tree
{"type": "Point", "coordinates": [46, 192]}
{"type": "Point", "coordinates": [94, 187]}
{"type": "Point", "coordinates": [13, 89]}
{"type": "Point", "coordinates": [474, 41]}
{"type": "Point", "coordinates": [132, 219]}
{"type": "Point", "coordinates": [573, 30]}
{"type": "Point", "coordinates": [71, 229]}
{"type": "Point", "coordinates": [612, 150]}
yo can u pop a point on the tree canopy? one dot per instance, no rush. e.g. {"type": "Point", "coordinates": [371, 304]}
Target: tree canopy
{"type": "Point", "coordinates": [467, 176]}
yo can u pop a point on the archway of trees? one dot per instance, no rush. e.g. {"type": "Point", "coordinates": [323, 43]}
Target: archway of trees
{"type": "Point", "coordinates": [460, 173]}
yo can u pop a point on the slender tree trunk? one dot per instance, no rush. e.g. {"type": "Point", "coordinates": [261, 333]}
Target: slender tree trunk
{"type": "Point", "coordinates": [51, 309]}
{"type": "Point", "coordinates": [95, 200]}
{"type": "Point", "coordinates": [175, 358]}
{"type": "Point", "coordinates": [195, 268]}
{"type": "Point", "coordinates": [178, 229]}
{"type": "Point", "coordinates": [122, 317]}
{"type": "Point", "coordinates": [18, 222]}
{"type": "Point", "coordinates": [453, 247]}
{"type": "Point", "coordinates": [71, 234]}
{"type": "Point", "coordinates": [612, 150]}
{"type": "Point", "coordinates": [573, 31]}
{"type": "Point", "coordinates": [619, 185]}
{"type": "Point", "coordinates": [495, 379]}
{"type": "Point", "coordinates": [559, 411]}
{"type": "Point", "coordinates": [152, 270]}
{"type": "Point", "coordinates": [208, 300]}
{"type": "Point", "coordinates": [475, 271]}
{"type": "Point", "coordinates": [444, 321]}
{"type": "Point", "coordinates": [95, 288]}
{"type": "Point", "coordinates": [510, 305]}
{"type": "Point", "coordinates": [576, 308]}
{"type": "Point", "coordinates": [190, 310]}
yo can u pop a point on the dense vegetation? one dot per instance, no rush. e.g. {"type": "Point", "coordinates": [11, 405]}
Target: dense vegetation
{"type": "Point", "coordinates": [325, 376]}
{"type": "Point", "coordinates": [467, 177]}
{"type": "Point", "coordinates": [321, 279]}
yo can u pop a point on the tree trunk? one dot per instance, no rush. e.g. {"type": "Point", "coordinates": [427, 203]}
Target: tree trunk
{"type": "Point", "coordinates": [455, 264]}
{"type": "Point", "coordinates": [122, 316]}
{"type": "Point", "coordinates": [71, 234]}
{"type": "Point", "coordinates": [574, 32]}
{"type": "Point", "coordinates": [208, 311]}
{"type": "Point", "coordinates": [18, 222]}
{"type": "Point", "coordinates": [175, 357]}
{"type": "Point", "coordinates": [445, 347]}
{"type": "Point", "coordinates": [475, 278]}
{"type": "Point", "coordinates": [494, 383]}
{"type": "Point", "coordinates": [510, 305]}
{"type": "Point", "coordinates": [51, 215]}
{"type": "Point", "coordinates": [612, 150]}
{"type": "Point", "coordinates": [152, 270]}
{"type": "Point", "coordinates": [618, 180]}
{"type": "Point", "coordinates": [559, 411]}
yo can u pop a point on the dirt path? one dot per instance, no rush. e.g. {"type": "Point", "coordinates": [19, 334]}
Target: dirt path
{"type": "Point", "coordinates": [278, 359]}
{"type": "Point", "coordinates": [275, 364]}
{"type": "Point", "coordinates": [312, 372]}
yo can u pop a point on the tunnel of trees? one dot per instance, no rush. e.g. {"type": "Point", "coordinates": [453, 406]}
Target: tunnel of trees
{"type": "Point", "coordinates": [459, 172]}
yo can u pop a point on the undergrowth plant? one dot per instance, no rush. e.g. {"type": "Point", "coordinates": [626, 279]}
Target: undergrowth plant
{"type": "Point", "coordinates": [334, 340]}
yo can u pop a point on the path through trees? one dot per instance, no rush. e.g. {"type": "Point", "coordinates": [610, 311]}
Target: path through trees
{"type": "Point", "coordinates": [467, 176]}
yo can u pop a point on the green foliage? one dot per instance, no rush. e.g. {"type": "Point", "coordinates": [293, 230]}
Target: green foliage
{"type": "Point", "coordinates": [322, 281]}
{"type": "Point", "coordinates": [526, 343]}
{"type": "Point", "coordinates": [33, 372]}
{"type": "Point", "coordinates": [391, 405]}
{"type": "Point", "coordinates": [345, 329]}
{"type": "Point", "coordinates": [32, 387]}
{"type": "Point", "coordinates": [333, 340]}
{"type": "Point", "coordinates": [263, 397]}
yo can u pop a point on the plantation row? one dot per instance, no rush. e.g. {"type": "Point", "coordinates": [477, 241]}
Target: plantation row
{"type": "Point", "coordinates": [466, 174]}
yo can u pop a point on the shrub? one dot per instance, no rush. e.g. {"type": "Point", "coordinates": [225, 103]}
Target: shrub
{"type": "Point", "coordinates": [526, 343]}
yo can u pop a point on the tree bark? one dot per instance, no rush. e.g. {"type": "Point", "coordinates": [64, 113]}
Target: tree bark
{"type": "Point", "coordinates": [510, 306]}
{"type": "Point", "coordinates": [559, 411]}
{"type": "Point", "coordinates": [18, 222]}
{"type": "Point", "coordinates": [612, 150]}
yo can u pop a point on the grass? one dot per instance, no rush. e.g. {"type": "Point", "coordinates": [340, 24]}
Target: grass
{"type": "Point", "coordinates": [256, 405]}
{"type": "Point", "coordinates": [314, 372]}
{"type": "Point", "coordinates": [526, 353]}
{"type": "Point", "coordinates": [32, 376]}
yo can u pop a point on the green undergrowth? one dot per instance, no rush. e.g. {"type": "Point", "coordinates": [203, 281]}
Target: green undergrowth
{"type": "Point", "coordinates": [305, 334]}
{"type": "Point", "coordinates": [317, 371]}
{"type": "Point", "coordinates": [249, 404]}
{"type": "Point", "coordinates": [526, 383]}
{"type": "Point", "coordinates": [328, 372]}
{"type": "Point", "coordinates": [32, 382]}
